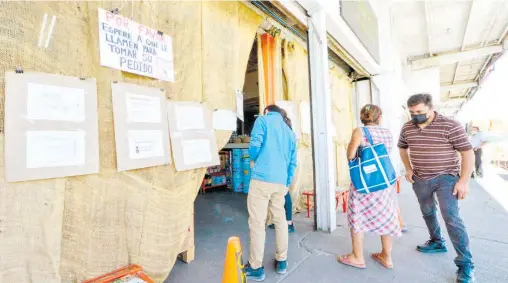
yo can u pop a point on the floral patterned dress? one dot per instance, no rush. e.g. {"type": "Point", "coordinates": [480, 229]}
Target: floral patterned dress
{"type": "Point", "coordinates": [375, 212]}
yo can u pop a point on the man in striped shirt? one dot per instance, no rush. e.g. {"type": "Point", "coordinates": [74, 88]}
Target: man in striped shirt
{"type": "Point", "coordinates": [428, 147]}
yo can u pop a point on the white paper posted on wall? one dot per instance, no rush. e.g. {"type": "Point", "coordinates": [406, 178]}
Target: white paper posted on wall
{"type": "Point", "coordinates": [305, 113]}
{"type": "Point", "coordinates": [143, 108]}
{"type": "Point", "coordinates": [145, 144]}
{"type": "Point", "coordinates": [290, 109]}
{"type": "Point", "coordinates": [55, 148]}
{"type": "Point", "coordinates": [55, 103]}
{"type": "Point", "coordinates": [224, 120]}
{"type": "Point", "coordinates": [334, 130]}
{"type": "Point", "coordinates": [189, 117]}
{"type": "Point", "coordinates": [196, 151]}
{"type": "Point", "coordinates": [239, 104]}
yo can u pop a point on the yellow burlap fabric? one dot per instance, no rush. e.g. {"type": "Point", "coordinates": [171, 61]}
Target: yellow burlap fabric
{"type": "Point", "coordinates": [71, 229]}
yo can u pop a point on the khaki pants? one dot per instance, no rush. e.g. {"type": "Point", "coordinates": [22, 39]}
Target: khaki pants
{"type": "Point", "coordinates": [262, 196]}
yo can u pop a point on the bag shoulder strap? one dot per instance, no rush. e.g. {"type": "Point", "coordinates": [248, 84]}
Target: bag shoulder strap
{"type": "Point", "coordinates": [367, 134]}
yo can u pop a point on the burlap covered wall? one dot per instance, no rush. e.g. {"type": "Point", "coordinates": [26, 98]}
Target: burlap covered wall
{"type": "Point", "coordinates": [296, 73]}
{"type": "Point", "coordinates": [67, 230]}
{"type": "Point", "coordinates": [342, 116]}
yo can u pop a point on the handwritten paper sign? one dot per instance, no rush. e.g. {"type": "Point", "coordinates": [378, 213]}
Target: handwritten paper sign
{"type": "Point", "coordinates": [134, 48]}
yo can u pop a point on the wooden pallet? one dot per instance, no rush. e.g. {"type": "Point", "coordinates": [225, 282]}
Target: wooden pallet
{"type": "Point", "coordinates": [188, 253]}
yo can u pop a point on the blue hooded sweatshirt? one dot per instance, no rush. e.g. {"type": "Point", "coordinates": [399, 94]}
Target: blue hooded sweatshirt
{"type": "Point", "coordinates": [273, 149]}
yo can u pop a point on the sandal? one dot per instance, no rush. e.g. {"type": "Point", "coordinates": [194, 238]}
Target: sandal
{"type": "Point", "coordinates": [379, 259]}
{"type": "Point", "coordinates": [344, 259]}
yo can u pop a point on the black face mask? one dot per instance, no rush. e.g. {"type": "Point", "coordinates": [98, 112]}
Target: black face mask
{"type": "Point", "coordinates": [419, 118]}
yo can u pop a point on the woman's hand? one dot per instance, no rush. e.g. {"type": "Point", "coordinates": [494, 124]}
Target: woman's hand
{"type": "Point", "coordinates": [354, 144]}
{"type": "Point", "coordinates": [251, 164]}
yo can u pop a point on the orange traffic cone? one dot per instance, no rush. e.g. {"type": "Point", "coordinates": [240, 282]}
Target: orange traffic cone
{"type": "Point", "coordinates": [233, 265]}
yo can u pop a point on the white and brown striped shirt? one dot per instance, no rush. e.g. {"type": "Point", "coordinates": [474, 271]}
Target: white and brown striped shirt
{"type": "Point", "coordinates": [433, 149]}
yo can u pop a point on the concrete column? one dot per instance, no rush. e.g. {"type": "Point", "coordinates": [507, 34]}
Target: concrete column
{"type": "Point", "coordinates": [323, 150]}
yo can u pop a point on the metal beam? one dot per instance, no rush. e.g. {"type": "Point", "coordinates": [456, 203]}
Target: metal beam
{"type": "Point", "coordinates": [339, 30]}
{"type": "Point", "coordinates": [321, 113]}
{"type": "Point", "coordinates": [428, 22]}
{"type": "Point", "coordinates": [459, 86]}
{"type": "Point", "coordinates": [450, 58]}
{"type": "Point", "coordinates": [464, 40]}
{"type": "Point", "coordinates": [457, 99]}
{"type": "Point", "coordinates": [499, 41]}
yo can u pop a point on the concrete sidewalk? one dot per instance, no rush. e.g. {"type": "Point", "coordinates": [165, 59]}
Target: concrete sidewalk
{"type": "Point", "coordinates": [312, 255]}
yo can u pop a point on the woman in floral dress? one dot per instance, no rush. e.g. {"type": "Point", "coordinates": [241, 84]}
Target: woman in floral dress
{"type": "Point", "coordinates": [374, 212]}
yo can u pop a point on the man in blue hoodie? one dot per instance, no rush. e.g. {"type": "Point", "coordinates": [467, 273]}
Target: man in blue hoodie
{"type": "Point", "coordinates": [272, 149]}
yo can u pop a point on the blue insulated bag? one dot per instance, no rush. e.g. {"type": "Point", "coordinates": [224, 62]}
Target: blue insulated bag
{"type": "Point", "coordinates": [372, 169]}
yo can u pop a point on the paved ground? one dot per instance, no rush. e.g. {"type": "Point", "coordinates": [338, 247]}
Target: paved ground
{"type": "Point", "coordinates": [312, 254]}
{"type": "Point", "coordinates": [504, 176]}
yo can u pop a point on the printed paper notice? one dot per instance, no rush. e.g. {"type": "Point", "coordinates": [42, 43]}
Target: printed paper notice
{"type": "Point", "coordinates": [145, 144]}
{"type": "Point", "coordinates": [197, 151]}
{"type": "Point", "coordinates": [305, 113]}
{"type": "Point", "coordinates": [132, 47]}
{"type": "Point", "coordinates": [55, 103]}
{"type": "Point", "coordinates": [239, 105]}
{"type": "Point", "coordinates": [55, 148]}
{"type": "Point", "coordinates": [290, 109]}
{"type": "Point", "coordinates": [224, 120]}
{"type": "Point", "coordinates": [143, 108]}
{"type": "Point", "coordinates": [292, 112]}
{"type": "Point", "coordinates": [189, 117]}
{"type": "Point", "coordinates": [334, 130]}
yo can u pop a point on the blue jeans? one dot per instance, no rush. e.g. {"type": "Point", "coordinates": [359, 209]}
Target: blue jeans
{"type": "Point", "coordinates": [288, 206]}
{"type": "Point", "coordinates": [442, 186]}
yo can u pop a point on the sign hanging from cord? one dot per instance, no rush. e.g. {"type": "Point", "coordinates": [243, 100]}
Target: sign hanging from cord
{"type": "Point", "coordinates": [134, 48]}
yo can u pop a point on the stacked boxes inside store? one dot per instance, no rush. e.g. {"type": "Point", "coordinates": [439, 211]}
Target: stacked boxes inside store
{"type": "Point", "coordinates": [241, 170]}
{"type": "Point", "coordinates": [237, 180]}
{"type": "Point", "coordinates": [246, 170]}
{"type": "Point", "coordinates": [220, 175]}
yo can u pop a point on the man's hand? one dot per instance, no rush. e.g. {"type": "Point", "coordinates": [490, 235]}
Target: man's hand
{"type": "Point", "coordinates": [475, 149]}
{"type": "Point", "coordinates": [409, 176]}
{"type": "Point", "coordinates": [251, 164]}
{"type": "Point", "coordinates": [461, 189]}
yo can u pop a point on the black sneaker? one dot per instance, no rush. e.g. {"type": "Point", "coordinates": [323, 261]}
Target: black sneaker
{"type": "Point", "coordinates": [465, 275]}
{"type": "Point", "coordinates": [291, 228]}
{"type": "Point", "coordinates": [431, 247]}
{"type": "Point", "coordinates": [257, 275]}
{"type": "Point", "coordinates": [281, 267]}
